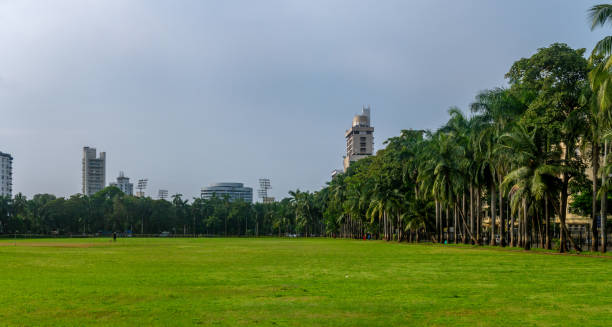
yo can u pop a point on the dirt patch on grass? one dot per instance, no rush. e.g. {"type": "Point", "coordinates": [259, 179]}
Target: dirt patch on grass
{"type": "Point", "coordinates": [50, 244]}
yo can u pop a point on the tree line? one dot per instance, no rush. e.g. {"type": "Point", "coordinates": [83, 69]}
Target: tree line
{"type": "Point", "coordinates": [110, 210]}
{"type": "Point", "coordinates": [504, 175]}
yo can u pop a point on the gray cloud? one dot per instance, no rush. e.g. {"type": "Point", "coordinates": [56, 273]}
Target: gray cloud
{"type": "Point", "coordinates": [194, 92]}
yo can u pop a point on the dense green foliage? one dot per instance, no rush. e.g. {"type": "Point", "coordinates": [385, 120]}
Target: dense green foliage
{"type": "Point", "coordinates": [112, 211]}
{"type": "Point", "coordinates": [295, 282]}
{"type": "Point", "coordinates": [519, 158]}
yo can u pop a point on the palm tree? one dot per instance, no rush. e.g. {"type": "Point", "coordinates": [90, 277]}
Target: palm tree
{"type": "Point", "coordinates": [425, 179]}
{"type": "Point", "coordinates": [498, 109]}
{"type": "Point", "coordinates": [600, 78]}
{"type": "Point", "coordinates": [600, 15]}
{"type": "Point", "coordinates": [460, 127]}
{"type": "Point", "coordinates": [535, 174]}
{"type": "Point", "coordinates": [600, 118]}
{"type": "Point", "coordinates": [441, 171]}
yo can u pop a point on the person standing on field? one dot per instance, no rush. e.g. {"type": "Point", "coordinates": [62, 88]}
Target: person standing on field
{"type": "Point", "coordinates": [114, 236]}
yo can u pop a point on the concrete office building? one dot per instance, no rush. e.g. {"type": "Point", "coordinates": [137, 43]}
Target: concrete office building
{"type": "Point", "coordinates": [233, 191]}
{"type": "Point", "coordinates": [6, 174]}
{"type": "Point", "coordinates": [359, 139]}
{"type": "Point", "coordinates": [123, 183]}
{"type": "Point", "coordinates": [94, 171]}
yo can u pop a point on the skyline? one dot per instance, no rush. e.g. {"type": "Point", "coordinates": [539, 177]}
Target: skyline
{"type": "Point", "coordinates": [193, 94]}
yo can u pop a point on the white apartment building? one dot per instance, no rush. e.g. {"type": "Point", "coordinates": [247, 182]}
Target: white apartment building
{"type": "Point", "coordinates": [6, 174]}
{"type": "Point", "coordinates": [359, 138]}
{"type": "Point", "coordinates": [94, 171]}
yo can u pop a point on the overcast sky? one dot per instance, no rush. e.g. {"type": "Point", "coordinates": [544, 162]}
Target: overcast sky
{"type": "Point", "coordinates": [189, 93]}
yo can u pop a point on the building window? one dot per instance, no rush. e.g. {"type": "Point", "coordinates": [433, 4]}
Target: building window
{"type": "Point", "coordinates": [369, 132]}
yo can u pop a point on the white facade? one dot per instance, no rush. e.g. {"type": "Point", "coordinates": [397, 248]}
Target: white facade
{"type": "Point", "coordinates": [359, 139]}
{"type": "Point", "coordinates": [94, 171]}
{"type": "Point", "coordinates": [6, 174]}
{"type": "Point", "coordinates": [123, 183]}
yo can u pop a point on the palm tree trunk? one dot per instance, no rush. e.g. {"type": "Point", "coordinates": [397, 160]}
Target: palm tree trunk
{"type": "Point", "coordinates": [387, 227]}
{"type": "Point", "coordinates": [604, 198]}
{"type": "Point", "coordinates": [455, 222]}
{"type": "Point", "coordinates": [595, 163]}
{"type": "Point", "coordinates": [438, 238]}
{"type": "Point", "coordinates": [527, 243]}
{"type": "Point", "coordinates": [472, 210]}
{"type": "Point", "coordinates": [446, 224]}
{"type": "Point", "coordinates": [502, 224]}
{"type": "Point", "coordinates": [463, 225]}
{"type": "Point", "coordinates": [384, 226]}
{"type": "Point", "coordinates": [400, 230]}
{"type": "Point", "coordinates": [512, 221]}
{"type": "Point", "coordinates": [391, 226]}
{"type": "Point", "coordinates": [443, 221]}
{"type": "Point", "coordinates": [478, 215]}
{"type": "Point", "coordinates": [548, 245]}
{"type": "Point", "coordinates": [562, 214]}
{"type": "Point", "coordinates": [492, 195]}
{"type": "Point", "coordinates": [540, 238]}
{"type": "Point", "coordinates": [521, 223]}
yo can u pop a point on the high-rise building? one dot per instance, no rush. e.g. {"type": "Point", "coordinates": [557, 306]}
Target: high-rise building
{"type": "Point", "coordinates": [123, 183]}
{"type": "Point", "coordinates": [359, 139]}
{"type": "Point", "coordinates": [6, 174]}
{"type": "Point", "coordinates": [94, 171]}
{"type": "Point", "coordinates": [233, 191]}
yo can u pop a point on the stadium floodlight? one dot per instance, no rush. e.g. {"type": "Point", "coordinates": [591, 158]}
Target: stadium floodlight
{"type": "Point", "coordinates": [264, 186]}
{"type": "Point", "coordinates": [162, 194]}
{"type": "Point", "coordinates": [142, 185]}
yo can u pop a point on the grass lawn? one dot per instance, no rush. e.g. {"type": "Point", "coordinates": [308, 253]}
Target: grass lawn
{"type": "Point", "coordinates": [295, 282]}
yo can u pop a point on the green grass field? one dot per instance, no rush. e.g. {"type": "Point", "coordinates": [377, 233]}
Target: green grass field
{"type": "Point", "coordinates": [295, 282]}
